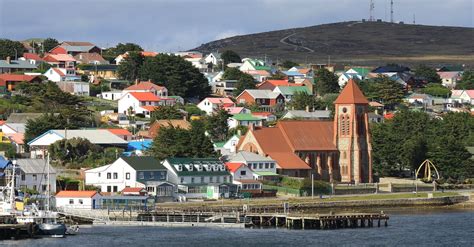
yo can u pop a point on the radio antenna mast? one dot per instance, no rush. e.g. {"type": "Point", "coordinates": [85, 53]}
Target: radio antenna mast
{"type": "Point", "coordinates": [372, 7]}
{"type": "Point", "coordinates": [391, 11]}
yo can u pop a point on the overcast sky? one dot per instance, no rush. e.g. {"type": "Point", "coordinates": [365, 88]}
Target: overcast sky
{"type": "Point", "coordinates": [174, 25]}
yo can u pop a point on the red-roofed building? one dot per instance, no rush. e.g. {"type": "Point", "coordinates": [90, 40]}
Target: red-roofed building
{"type": "Point", "coordinates": [78, 199]}
{"type": "Point", "coordinates": [61, 74]}
{"type": "Point", "coordinates": [75, 47]}
{"type": "Point", "coordinates": [60, 60]}
{"type": "Point", "coordinates": [8, 81]}
{"type": "Point", "coordinates": [147, 86]}
{"type": "Point", "coordinates": [32, 58]}
{"type": "Point", "coordinates": [132, 103]}
{"type": "Point", "coordinates": [211, 105]}
{"type": "Point", "coordinates": [337, 150]}
{"type": "Point", "coordinates": [122, 133]}
{"type": "Point", "coordinates": [121, 57]}
{"type": "Point", "coordinates": [239, 171]}
{"type": "Point", "coordinates": [134, 191]}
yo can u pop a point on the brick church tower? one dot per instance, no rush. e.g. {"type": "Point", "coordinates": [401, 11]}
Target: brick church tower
{"type": "Point", "coordinates": [351, 135]}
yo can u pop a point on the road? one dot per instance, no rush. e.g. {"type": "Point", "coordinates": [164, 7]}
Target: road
{"type": "Point", "coordinates": [283, 41]}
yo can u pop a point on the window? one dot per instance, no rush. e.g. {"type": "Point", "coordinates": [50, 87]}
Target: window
{"type": "Point", "coordinates": [243, 173]}
{"type": "Point", "coordinates": [43, 187]}
{"type": "Point", "coordinates": [35, 177]}
{"type": "Point", "coordinates": [127, 175]}
{"type": "Point", "coordinates": [109, 175]}
{"type": "Point", "coordinates": [260, 165]}
{"type": "Point", "coordinates": [150, 189]}
{"type": "Point", "coordinates": [267, 165]}
{"type": "Point", "coordinates": [23, 177]}
{"type": "Point", "coordinates": [71, 201]}
{"type": "Point", "coordinates": [152, 175]}
{"type": "Point", "coordinates": [254, 165]}
{"type": "Point", "coordinates": [192, 180]}
{"type": "Point", "coordinates": [218, 179]}
{"type": "Point", "coordinates": [81, 201]}
{"type": "Point", "coordinates": [115, 175]}
{"type": "Point", "coordinates": [99, 175]}
{"type": "Point", "coordinates": [225, 179]}
{"type": "Point", "coordinates": [34, 187]}
{"type": "Point", "coordinates": [45, 176]}
{"type": "Point", "coordinates": [141, 175]}
{"type": "Point", "coordinates": [115, 189]}
{"type": "Point", "coordinates": [202, 179]}
{"type": "Point", "coordinates": [109, 188]}
{"type": "Point", "coordinates": [272, 165]}
{"type": "Point", "coordinates": [182, 179]}
{"type": "Point", "coordinates": [211, 179]}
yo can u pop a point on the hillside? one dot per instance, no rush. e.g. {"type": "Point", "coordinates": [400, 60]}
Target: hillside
{"type": "Point", "coordinates": [369, 43]}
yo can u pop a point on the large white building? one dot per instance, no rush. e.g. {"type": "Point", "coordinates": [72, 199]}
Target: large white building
{"type": "Point", "coordinates": [211, 105]}
{"type": "Point", "coordinates": [131, 172]}
{"type": "Point", "coordinates": [132, 103]}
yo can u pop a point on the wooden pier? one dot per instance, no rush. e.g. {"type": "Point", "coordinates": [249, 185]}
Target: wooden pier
{"type": "Point", "coordinates": [17, 231]}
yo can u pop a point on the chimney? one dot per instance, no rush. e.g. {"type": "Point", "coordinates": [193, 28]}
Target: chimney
{"type": "Point", "coordinates": [251, 127]}
{"type": "Point", "coordinates": [9, 60]}
{"type": "Point", "coordinates": [136, 81]}
{"type": "Point", "coordinates": [239, 132]}
{"type": "Point", "coordinates": [307, 108]}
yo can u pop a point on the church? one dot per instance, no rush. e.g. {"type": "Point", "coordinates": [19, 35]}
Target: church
{"type": "Point", "coordinates": [334, 151]}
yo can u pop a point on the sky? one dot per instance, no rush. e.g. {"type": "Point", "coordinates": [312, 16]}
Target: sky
{"type": "Point", "coordinates": [175, 25]}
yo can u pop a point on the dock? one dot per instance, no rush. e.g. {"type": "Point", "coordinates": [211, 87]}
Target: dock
{"type": "Point", "coordinates": [17, 231]}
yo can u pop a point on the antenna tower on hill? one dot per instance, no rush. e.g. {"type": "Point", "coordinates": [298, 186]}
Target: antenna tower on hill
{"type": "Point", "coordinates": [372, 7]}
{"type": "Point", "coordinates": [391, 11]}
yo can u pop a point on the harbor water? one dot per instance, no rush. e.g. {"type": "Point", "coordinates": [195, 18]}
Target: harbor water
{"type": "Point", "coordinates": [422, 228]}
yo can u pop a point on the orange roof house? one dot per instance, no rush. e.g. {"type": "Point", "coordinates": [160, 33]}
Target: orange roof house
{"type": "Point", "coordinates": [10, 80]}
{"type": "Point", "coordinates": [337, 150]}
{"type": "Point", "coordinates": [77, 194]}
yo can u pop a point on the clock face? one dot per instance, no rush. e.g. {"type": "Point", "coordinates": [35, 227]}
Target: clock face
{"type": "Point", "coordinates": [344, 110]}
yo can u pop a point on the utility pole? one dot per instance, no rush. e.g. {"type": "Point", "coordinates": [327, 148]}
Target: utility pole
{"type": "Point", "coordinates": [414, 19]}
{"type": "Point", "coordinates": [391, 11]}
{"type": "Point", "coordinates": [312, 185]}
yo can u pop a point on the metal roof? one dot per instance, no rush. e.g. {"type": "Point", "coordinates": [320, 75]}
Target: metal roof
{"type": "Point", "coordinates": [245, 156]}
{"type": "Point", "coordinates": [37, 166]}
{"type": "Point", "coordinates": [262, 94]}
{"type": "Point", "coordinates": [17, 64]}
{"type": "Point", "coordinates": [95, 136]}
{"type": "Point", "coordinates": [320, 114]}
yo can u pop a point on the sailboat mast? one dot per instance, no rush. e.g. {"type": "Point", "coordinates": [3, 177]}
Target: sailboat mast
{"type": "Point", "coordinates": [48, 185]}
{"type": "Point", "coordinates": [12, 187]}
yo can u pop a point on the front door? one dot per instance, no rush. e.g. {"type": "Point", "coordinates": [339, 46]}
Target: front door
{"type": "Point", "coordinates": [93, 203]}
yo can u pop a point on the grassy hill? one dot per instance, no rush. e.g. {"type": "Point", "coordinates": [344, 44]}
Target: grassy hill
{"type": "Point", "coordinates": [370, 43]}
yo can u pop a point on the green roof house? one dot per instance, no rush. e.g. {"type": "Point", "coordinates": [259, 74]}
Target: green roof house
{"type": "Point", "coordinates": [244, 119]}
{"type": "Point", "coordinates": [289, 91]}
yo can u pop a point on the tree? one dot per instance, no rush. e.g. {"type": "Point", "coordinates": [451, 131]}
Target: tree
{"type": "Point", "coordinates": [245, 81]}
{"type": "Point", "coordinates": [72, 150]}
{"type": "Point", "coordinates": [165, 112]}
{"type": "Point", "coordinates": [427, 73]}
{"type": "Point", "coordinates": [111, 53]}
{"type": "Point", "coordinates": [200, 144]}
{"type": "Point", "coordinates": [287, 64]}
{"type": "Point", "coordinates": [232, 74]}
{"type": "Point", "coordinates": [277, 76]}
{"type": "Point", "coordinates": [230, 56]}
{"type": "Point", "coordinates": [12, 49]}
{"type": "Point", "coordinates": [49, 44]}
{"type": "Point", "coordinates": [436, 90]}
{"type": "Point", "coordinates": [326, 82]}
{"type": "Point", "coordinates": [129, 68]}
{"type": "Point", "coordinates": [386, 90]}
{"type": "Point", "coordinates": [217, 125]}
{"type": "Point", "coordinates": [301, 100]}
{"type": "Point", "coordinates": [467, 81]}
{"type": "Point", "coordinates": [179, 76]}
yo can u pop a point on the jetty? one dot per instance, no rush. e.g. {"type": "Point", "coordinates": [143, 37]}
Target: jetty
{"type": "Point", "coordinates": [17, 231]}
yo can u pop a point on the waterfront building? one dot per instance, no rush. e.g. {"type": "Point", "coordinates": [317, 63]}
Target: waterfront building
{"type": "Point", "coordinates": [78, 199]}
{"type": "Point", "coordinates": [135, 171]}
{"type": "Point", "coordinates": [337, 150]}
{"type": "Point", "coordinates": [199, 177]}
{"type": "Point", "coordinates": [33, 174]}
{"type": "Point", "coordinates": [262, 167]}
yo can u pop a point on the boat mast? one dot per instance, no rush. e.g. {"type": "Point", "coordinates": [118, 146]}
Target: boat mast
{"type": "Point", "coordinates": [12, 187]}
{"type": "Point", "coordinates": [48, 191]}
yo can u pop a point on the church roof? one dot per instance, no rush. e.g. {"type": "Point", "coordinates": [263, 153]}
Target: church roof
{"type": "Point", "coordinates": [351, 94]}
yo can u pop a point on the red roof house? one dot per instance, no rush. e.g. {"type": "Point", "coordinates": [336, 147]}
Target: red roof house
{"type": "Point", "coordinates": [8, 81]}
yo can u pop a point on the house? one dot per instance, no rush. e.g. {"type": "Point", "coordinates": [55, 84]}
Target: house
{"type": "Point", "coordinates": [267, 100]}
{"type": "Point", "coordinates": [121, 57]}
{"type": "Point", "coordinates": [147, 86]}
{"type": "Point", "coordinates": [135, 171]}
{"type": "Point", "coordinates": [211, 105]}
{"type": "Point", "coordinates": [345, 77]}
{"type": "Point", "coordinates": [243, 120]}
{"type": "Point", "coordinates": [63, 61]}
{"type": "Point", "coordinates": [122, 133]}
{"type": "Point", "coordinates": [90, 58]}
{"type": "Point", "coordinates": [243, 177]}
{"type": "Point", "coordinates": [199, 177]}
{"type": "Point", "coordinates": [75, 47]}
{"type": "Point", "coordinates": [165, 123]}
{"type": "Point", "coordinates": [74, 87]}
{"type": "Point", "coordinates": [18, 140]}
{"type": "Point", "coordinates": [23, 117]}
{"type": "Point", "coordinates": [132, 103]}
{"type": "Point", "coordinates": [305, 72]}
{"type": "Point", "coordinates": [138, 147]}
{"type": "Point", "coordinates": [33, 175]}
{"type": "Point", "coordinates": [86, 199]}
{"type": "Point", "coordinates": [307, 114]}
{"type": "Point", "coordinates": [337, 150]}
{"type": "Point", "coordinates": [462, 97]}
{"type": "Point", "coordinates": [253, 64]}
{"type": "Point", "coordinates": [265, 116]}
{"type": "Point", "coordinates": [101, 137]}
{"type": "Point", "coordinates": [259, 75]}
{"type": "Point", "coordinates": [390, 69]}
{"type": "Point", "coordinates": [272, 84]}
{"type": "Point", "coordinates": [111, 95]}
{"type": "Point", "coordinates": [10, 66]}
{"type": "Point", "coordinates": [198, 62]}
{"type": "Point", "coordinates": [224, 88]}
{"type": "Point", "coordinates": [263, 167]}
{"type": "Point", "coordinates": [375, 118]}
{"type": "Point", "coordinates": [61, 74]}
{"type": "Point", "coordinates": [13, 128]}
{"type": "Point", "coordinates": [32, 58]}
{"type": "Point", "coordinates": [227, 148]}
{"type": "Point", "coordinates": [289, 91]}
{"type": "Point", "coordinates": [213, 58]}
{"type": "Point", "coordinates": [449, 78]}
{"type": "Point", "coordinates": [422, 99]}
{"type": "Point", "coordinates": [9, 81]}
{"type": "Point", "coordinates": [97, 71]}
{"type": "Point", "coordinates": [236, 110]}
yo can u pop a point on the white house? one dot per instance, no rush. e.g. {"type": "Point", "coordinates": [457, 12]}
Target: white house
{"type": "Point", "coordinates": [132, 103]}
{"type": "Point", "coordinates": [345, 77]}
{"type": "Point", "coordinates": [74, 87]}
{"type": "Point", "coordinates": [32, 174]}
{"type": "Point", "coordinates": [227, 147]}
{"type": "Point", "coordinates": [244, 120]}
{"type": "Point", "coordinates": [78, 199]}
{"type": "Point", "coordinates": [213, 58]}
{"type": "Point", "coordinates": [262, 167]}
{"type": "Point", "coordinates": [131, 172]}
{"type": "Point", "coordinates": [61, 74]}
{"type": "Point", "coordinates": [462, 96]}
{"type": "Point", "coordinates": [253, 64]}
{"type": "Point", "coordinates": [13, 128]}
{"type": "Point", "coordinates": [198, 177]}
{"type": "Point", "coordinates": [111, 95]}
{"type": "Point", "coordinates": [450, 78]}
{"type": "Point", "coordinates": [102, 137]}
{"type": "Point", "coordinates": [423, 99]}
{"type": "Point", "coordinates": [211, 105]}
{"type": "Point", "coordinates": [239, 171]}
